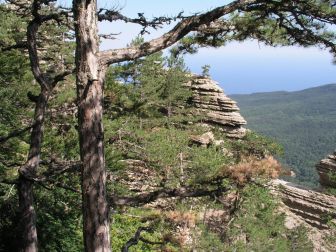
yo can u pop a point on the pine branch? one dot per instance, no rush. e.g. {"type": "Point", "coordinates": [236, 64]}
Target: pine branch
{"type": "Point", "coordinates": [19, 45]}
{"type": "Point", "coordinates": [182, 192]}
{"type": "Point", "coordinates": [179, 31]}
{"type": "Point", "coordinates": [155, 23]}
{"type": "Point", "coordinates": [264, 14]}
{"type": "Point", "coordinates": [137, 237]}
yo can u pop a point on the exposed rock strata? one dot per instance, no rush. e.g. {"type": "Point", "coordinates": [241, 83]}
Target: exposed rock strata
{"type": "Point", "coordinates": [219, 109]}
{"type": "Point", "coordinates": [309, 208]}
{"type": "Point", "coordinates": [326, 170]}
{"type": "Point", "coordinates": [314, 207]}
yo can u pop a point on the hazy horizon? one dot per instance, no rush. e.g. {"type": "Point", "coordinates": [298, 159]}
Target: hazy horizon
{"type": "Point", "coordinates": [279, 91]}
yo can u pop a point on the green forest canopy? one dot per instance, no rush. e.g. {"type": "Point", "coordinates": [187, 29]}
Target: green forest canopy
{"type": "Point", "coordinates": [302, 121]}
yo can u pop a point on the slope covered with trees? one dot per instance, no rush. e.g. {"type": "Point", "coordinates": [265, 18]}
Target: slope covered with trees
{"type": "Point", "coordinates": [303, 122]}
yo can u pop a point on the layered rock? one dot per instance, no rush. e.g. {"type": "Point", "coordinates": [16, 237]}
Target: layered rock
{"type": "Point", "coordinates": [327, 171]}
{"type": "Point", "coordinates": [314, 207]}
{"type": "Point", "coordinates": [211, 101]}
{"type": "Point", "coordinates": [308, 208]}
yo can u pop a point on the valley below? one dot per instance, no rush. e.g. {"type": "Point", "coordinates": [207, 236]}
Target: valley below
{"type": "Point", "coordinates": [303, 122]}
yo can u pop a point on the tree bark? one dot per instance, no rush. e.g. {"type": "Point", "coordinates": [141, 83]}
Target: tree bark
{"type": "Point", "coordinates": [27, 216]}
{"type": "Point", "coordinates": [89, 82]}
{"type": "Point", "coordinates": [27, 172]}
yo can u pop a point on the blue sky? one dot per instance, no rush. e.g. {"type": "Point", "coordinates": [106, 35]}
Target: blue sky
{"type": "Point", "coordinates": [239, 67]}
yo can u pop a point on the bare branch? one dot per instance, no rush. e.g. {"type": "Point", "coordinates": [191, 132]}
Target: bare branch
{"type": "Point", "coordinates": [155, 23]}
{"type": "Point", "coordinates": [57, 167]}
{"type": "Point", "coordinates": [8, 182]}
{"type": "Point", "coordinates": [262, 10]}
{"type": "Point", "coordinates": [61, 77]}
{"type": "Point", "coordinates": [58, 184]}
{"type": "Point", "coordinates": [109, 36]}
{"type": "Point", "coordinates": [19, 45]}
{"type": "Point", "coordinates": [32, 30]}
{"type": "Point", "coordinates": [15, 133]}
{"type": "Point", "coordinates": [145, 198]}
{"type": "Point", "coordinates": [137, 237]}
{"type": "Point", "coordinates": [179, 31]}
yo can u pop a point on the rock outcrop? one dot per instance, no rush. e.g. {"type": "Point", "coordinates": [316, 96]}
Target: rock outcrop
{"type": "Point", "coordinates": [219, 109]}
{"type": "Point", "coordinates": [327, 170]}
{"type": "Point", "coordinates": [204, 139]}
{"type": "Point", "coordinates": [311, 209]}
{"type": "Point", "coordinates": [314, 207]}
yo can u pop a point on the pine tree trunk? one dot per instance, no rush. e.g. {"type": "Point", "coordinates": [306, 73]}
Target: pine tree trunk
{"type": "Point", "coordinates": [28, 241]}
{"type": "Point", "coordinates": [27, 172]}
{"type": "Point", "coordinates": [90, 110]}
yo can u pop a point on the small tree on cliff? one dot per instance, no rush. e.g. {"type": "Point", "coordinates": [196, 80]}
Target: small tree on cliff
{"type": "Point", "coordinates": [273, 22]}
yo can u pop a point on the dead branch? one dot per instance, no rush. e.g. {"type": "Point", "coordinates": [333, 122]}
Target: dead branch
{"type": "Point", "coordinates": [109, 36]}
{"type": "Point", "coordinates": [182, 192]}
{"type": "Point", "coordinates": [15, 133]}
{"type": "Point", "coordinates": [137, 237]}
{"type": "Point", "coordinates": [19, 45]}
{"type": "Point", "coordinates": [155, 23]}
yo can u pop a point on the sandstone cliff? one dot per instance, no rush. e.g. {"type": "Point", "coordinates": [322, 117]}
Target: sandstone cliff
{"type": "Point", "coordinates": [219, 109]}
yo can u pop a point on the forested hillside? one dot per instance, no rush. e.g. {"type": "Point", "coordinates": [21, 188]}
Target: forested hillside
{"type": "Point", "coordinates": [303, 122]}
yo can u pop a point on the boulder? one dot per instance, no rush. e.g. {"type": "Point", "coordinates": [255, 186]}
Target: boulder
{"type": "Point", "coordinates": [327, 171]}
{"type": "Point", "coordinates": [204, 139]}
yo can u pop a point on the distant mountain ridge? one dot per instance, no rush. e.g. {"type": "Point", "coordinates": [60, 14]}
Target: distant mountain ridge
{"type": "Point", "coordinates": [304, 122]}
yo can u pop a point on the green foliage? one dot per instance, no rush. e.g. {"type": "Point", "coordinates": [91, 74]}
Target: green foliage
{"type": "Point", "coordinates": [303, 122]}
{"type": "Point", "coordinates": [278, 30]}
{"type": "Point", "coordinates": [125, 224]}
{"type": "Point", "coordinates": [206, 70]}
{"type": "Point", "coordinates": [257, 145]}
{"type": "Point", "coordinates": [165, 148]}
{"type": "Point", "coordinates": [15, 108]}
{"type": "Point", "coordinates": [8, 224]}
{"type": "Point", "coordinates": [147, 85]}
{"type": "Point", "coordinates": [207, 163]}
{"type": "Point", "coordinates": [59, 222]}
{"type": "Point", "coordinates": [208, 241]}
{"type": "Point", "coordinates": [12, 28]}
